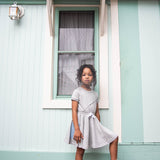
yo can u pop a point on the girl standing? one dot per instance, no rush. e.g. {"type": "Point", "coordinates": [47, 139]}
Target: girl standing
{"type": "Point", "coordinates": [86, 131]}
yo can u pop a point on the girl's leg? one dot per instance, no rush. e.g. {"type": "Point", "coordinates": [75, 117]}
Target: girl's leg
{"type": "Point", "coordinates": [113, 149]}
{"type": "Point", "coordinates": [79, 153]}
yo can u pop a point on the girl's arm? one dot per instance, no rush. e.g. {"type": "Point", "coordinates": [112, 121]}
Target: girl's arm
{"type": "Point", "coordinates": [97, 112]}
{"type": "Point", "coordinates": [77, 134]}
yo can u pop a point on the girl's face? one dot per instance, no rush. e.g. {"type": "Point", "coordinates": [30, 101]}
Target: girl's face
{"type": "Point", "coordinates": [87, 77]}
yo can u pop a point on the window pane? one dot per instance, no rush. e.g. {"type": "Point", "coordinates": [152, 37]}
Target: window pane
{"type": "Point", "coordinates": [67, 70]}
{"type": "Point", "coordinates": [76, 31]}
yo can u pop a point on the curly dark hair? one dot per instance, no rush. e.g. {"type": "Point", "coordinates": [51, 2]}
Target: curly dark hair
{"type": "Point", "coordinates": [80, 71]}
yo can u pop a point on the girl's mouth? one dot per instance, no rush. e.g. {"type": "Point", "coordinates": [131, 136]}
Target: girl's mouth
{"type": "Point", "coordinates": [87, 81]}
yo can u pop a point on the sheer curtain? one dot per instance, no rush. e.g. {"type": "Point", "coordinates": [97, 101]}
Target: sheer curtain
{"type": "Point", "coordinates": [76, 33]}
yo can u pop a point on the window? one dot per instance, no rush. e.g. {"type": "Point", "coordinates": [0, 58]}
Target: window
{"type": "Point", "coordinates": [56, 57]}
{"type": "Point", "coordinates": [76, 43]}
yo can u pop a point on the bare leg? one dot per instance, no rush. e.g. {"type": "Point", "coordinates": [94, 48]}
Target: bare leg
{"type": "Point", "coordinates": [79, 153]}
{"type": "Point", "coordinates": [113, 149]}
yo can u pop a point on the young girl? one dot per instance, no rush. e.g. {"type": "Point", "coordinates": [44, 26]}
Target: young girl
{"type": "Point", "coordinates": [86, 131]}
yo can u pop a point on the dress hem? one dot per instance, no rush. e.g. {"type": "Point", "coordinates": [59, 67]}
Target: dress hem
{"type": "Point", "coordinates": [93, 147]}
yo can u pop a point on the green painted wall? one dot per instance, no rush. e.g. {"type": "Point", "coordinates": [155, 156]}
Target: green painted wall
{"type": "Point", "coordinates": [149, 31]}
{"type": "Point", "coordinates": [125, 152]}
{"type": "Point", "coordinates": [131, 83]}
{"type": "Point", "coordinates": [25, 126]}
{"type": "Point", "coordinates": [139, 30]}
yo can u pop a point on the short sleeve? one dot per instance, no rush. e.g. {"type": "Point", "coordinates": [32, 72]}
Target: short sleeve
{"type": "Point", "coordinates": [75, 95]}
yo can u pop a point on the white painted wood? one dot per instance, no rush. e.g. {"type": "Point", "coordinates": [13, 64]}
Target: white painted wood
{"type": "Point", "coordinates": [50, 8]}
{"type": "Point", "coordinates": [58, 103]}
{"type": "Point", "coordinates": [116, 68]}
{"type": "Point", "coordinates": [102, 16]}
{"type": "Point", "coordinates": [74, 5]}
{"type": "Point", "coordinates": [103, 63]}
{"type": "Point", "coordinates": [48, 61]}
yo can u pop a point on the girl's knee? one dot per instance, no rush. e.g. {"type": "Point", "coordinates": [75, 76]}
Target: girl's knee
{"type": "Point", "coordinates": [116, 140]}
{"type": "Point", "coordinates": [80, 151]}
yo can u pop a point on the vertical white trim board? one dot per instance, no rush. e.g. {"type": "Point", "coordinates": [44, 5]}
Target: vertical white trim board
{"type": "Point", "coordinates": [116, 68]}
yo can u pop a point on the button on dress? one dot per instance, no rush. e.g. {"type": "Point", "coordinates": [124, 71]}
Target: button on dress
{"type": "Point", "coordinates": [94, 133]}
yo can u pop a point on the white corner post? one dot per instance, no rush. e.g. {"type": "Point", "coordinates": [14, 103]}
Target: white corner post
{"type": "Point", "coordinates": [48, 55]}
{"type": "Point", "coordinates": [103, 56]}
{"type": "Point", "coordinates": [50, 8]}
{"type": "Point", "coordinates": [102, 15]}
{"type": "Point", "coordinates": [115, 49]}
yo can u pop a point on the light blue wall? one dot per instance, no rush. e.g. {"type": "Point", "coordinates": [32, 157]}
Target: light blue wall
{"type": "Point", "coordinates": [149, 29]}
{"type": "Point", "coordinates": [125, 152]}
{"type": "Point", "coordinates": [24, 125]}
{"type": "Point", "coordinates": [21, 68]}
{"type": "Point", "coordinates": [131, 84]}
{"type": "Point", "coordinates": [139, 23]}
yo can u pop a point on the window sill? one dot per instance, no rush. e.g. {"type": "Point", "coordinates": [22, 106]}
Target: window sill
{"type": "Point", "coordinates": [65, 104]}
{"type": "Point", "coordinates": [58, 104]}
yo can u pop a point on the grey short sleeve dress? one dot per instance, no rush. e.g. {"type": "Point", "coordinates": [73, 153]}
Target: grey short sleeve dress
{"type": "Point", "coordinates": [95, 134]}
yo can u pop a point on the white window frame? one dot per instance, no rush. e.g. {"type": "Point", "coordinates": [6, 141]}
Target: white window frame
{"type": "Point", "coordinates": [48, 102]}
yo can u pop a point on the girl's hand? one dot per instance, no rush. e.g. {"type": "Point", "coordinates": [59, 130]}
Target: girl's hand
{"type": "Point", "coordinates": [97, 112]}
{"type": "Point", "coordinates": [77, 136]}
